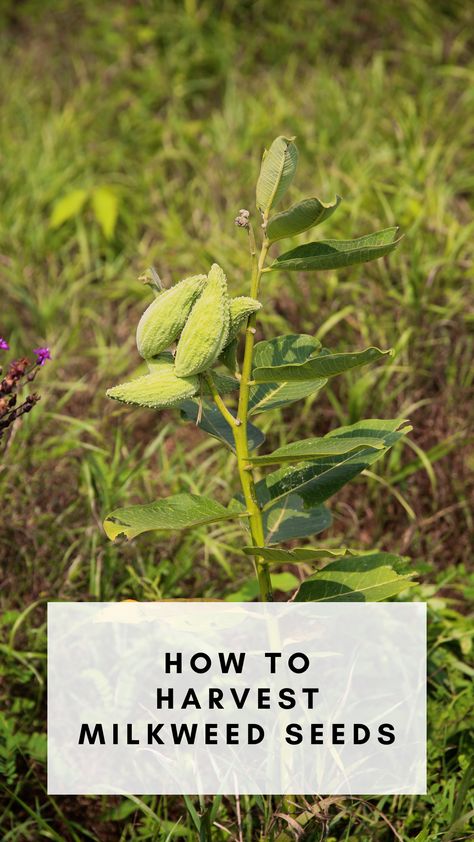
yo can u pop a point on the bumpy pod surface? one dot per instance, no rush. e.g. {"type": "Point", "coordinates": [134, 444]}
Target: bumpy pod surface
{"type": "Point", "coordinates": [207, 328]}
{"type": "Point", "coordinates": [165, 318]}
{"type": "Point", "coordinates": [240, 309]}
{"type": "Point", "coordinates": [223, 382]}
{"type": "Point", "coordinates": [157, 390]}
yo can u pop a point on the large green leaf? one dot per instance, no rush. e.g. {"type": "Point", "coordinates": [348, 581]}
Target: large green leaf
{"type": "Point", "coordinates": [324, 364]}
{"type": "Point", "coordinates": [276, 173]}
{"type": "Point", "coordinates": [334, 254]}
{"type": "Point", "coordinates": [214, 423]}
{"type": "Point", "coordinates": [300, 555]}
{"type": "Point", "coordinates": [181, 511]}
{"type": "Point", "coordinates": [300, 217]}
{"type": "Point", "coordinates": [317, 480]}
{"type": "Point", "coordinates": [278, 395]}
{"type": "Point", "coordinates": [367, 578]}
{"type": "Point", "coordinates": [315, 448]}
{"type": "Point", "coordinates": [292, 348]}
{"type": "Point", "coordinates": [290, 518]}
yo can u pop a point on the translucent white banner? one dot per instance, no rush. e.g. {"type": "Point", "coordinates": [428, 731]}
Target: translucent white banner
{"type": "Point", "coordinates": [185, 698]}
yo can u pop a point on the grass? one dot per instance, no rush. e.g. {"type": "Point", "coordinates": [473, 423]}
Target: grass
{"type": "Point", "coordinates": [169, 105]}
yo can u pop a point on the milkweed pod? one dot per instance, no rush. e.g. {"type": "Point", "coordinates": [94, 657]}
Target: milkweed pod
{"type": "Point", "coordinates": [240, 309]}
{"type": "Point", "coordinates": [223, 382]}
{"type": "Point", "coordinates": [160, 389]}
{"type": "Point", "coordinates": [207, 328]}
{"type": "Point", "coordinates": [165, 318]}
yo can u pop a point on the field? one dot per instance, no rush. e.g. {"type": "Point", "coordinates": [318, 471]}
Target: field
{"type": "Point", "coordinates": [167, 106]}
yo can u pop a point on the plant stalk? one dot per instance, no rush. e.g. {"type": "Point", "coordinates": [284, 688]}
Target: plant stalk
{"type": "Point", "coordinates": [240, 432]}
{"type": "Point", "coordinates": [238, 425]}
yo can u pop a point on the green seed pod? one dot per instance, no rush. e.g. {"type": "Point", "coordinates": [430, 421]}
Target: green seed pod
{"type": "Point", "coordinates": [240, 309]}
{"type": "Point", "coordinates": [157, 390]}
{"type": "Point", "coordinates": [223, 382]}
{"type": "Point", "coordinates": [165, 318]}
{"type": "Point", "coordinates": [206, 330]}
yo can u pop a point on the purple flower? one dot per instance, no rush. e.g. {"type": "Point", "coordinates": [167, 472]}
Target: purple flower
{"type": "Point", "coordinates": [4, 346]}
{"type": "Point", "coordinates": [42, 354]}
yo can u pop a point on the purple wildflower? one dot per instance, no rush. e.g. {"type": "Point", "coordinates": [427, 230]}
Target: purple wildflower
{"type": "Point", "coordinates": [42, 354]}
{"type": "Point", "coordinates": [4, 346]}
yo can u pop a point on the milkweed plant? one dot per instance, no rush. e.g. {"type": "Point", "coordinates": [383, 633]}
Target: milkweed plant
{"type": "Point", "coordinates": [189, 339]}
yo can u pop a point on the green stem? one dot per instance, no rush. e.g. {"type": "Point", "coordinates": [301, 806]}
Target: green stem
{"type": "Point", "coordinates": [231, 419]}
{"type": "Point", "coordinates": [240, 432]}
{"type": "Point", "coordinates": [239, 426]}
{"type": "Point", "coordinates": [253, 509]}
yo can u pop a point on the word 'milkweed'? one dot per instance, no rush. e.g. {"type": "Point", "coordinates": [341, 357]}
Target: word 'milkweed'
{"type": "Point", "coordinates": [192, 329]}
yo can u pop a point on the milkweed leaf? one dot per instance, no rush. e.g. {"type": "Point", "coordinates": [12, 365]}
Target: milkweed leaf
{"type": "Point", "coordinates": [276, 173]}
{"type": "Point", "coordinates": [300, 217]}
{"type": "Point", "coordinates": [367, 578]}
{"type": "Point", "coordinates": [181, 511]}
{"type": "Point", "coordinates": [336, 254]}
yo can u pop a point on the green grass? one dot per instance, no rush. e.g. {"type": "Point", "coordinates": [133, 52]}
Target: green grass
{"type": "Point", "coordinates": [170, 104]}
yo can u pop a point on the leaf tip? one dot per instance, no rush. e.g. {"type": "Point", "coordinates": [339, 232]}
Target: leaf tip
{"type": "Point", "coordinates": [113, 528]}
{"type": "Point", "coordinates": [397, 237]}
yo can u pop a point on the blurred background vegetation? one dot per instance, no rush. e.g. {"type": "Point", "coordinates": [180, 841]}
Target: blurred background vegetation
{"type": "Point", "coordinates": [131, 134]}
